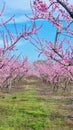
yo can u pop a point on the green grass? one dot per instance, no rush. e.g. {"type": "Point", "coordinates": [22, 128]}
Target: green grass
{"type": "Point", "coordinates": [27, 111]}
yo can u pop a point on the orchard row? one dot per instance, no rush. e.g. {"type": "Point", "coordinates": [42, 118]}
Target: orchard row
{"type": "Point", "coordinates": [57, 68]}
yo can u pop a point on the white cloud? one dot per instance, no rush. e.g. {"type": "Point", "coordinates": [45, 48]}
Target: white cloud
{"type": "Point", "coordinates": [17, 5]}
{"type": "Point", "coordinates": [23, 5]}
{"type": "Point", "coordinates": [18, 19]}
{"type": "Point", "coordinates": [19, 8]}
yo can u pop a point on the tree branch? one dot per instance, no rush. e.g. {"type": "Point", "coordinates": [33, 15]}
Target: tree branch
{"type": "Point", "coordinates": [66, 8]}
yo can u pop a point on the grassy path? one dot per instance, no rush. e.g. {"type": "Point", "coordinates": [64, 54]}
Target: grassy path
{"type": "Point", "coordinates": [30, 109]}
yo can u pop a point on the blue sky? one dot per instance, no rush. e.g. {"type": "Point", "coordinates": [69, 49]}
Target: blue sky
{"type": "Point", "coordinates": [19, 9]}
